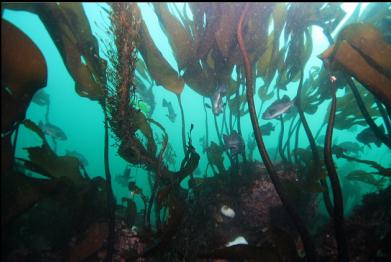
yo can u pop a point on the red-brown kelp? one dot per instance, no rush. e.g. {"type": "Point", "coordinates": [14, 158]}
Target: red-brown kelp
{"type": "Point", "coordinates": [378, 132]}
{"type": "Point", "coordinates": [356, 54]}
{"type": "Point", "coordinates": [335, 185]}
{"type": "Point", "coordinates": [23, 72]}
{"type": "Point", "coordinates": [183, 123]}
{"type": "Point", "coordinates": [380, 169]}
{"type": "Point", "coordinates": [157, 180]}
{"type": "Point", "coordinates": [316, 166]}
{"type": "Point", "coordinates": [281, 136]}
{"type": "Point", "coordinates": [125, 26]}
{"type": "Point", "coordinates": [308, 244]}
{"type": "Point", "coordinates": [68, 27]}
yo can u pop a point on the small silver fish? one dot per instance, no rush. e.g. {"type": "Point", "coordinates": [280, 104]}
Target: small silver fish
{"type": "Point", "coordinates": [41, 98]}
{"type": "Point", "coordinates": [171, 113]}
{"type": "Point", "coordinates": [78, 156]}
{"type": "Point", "coordinates": [267, 129]}
{"type": "Point", "coordinates": [217, 99]}
{"type": "Point", "coordinates": [53, 131]}
{"type": "Point", "coordinates": [367, 136]}
{"type": "Point", "coordinates": [351, 147]}
{"type": "Point", "coordinates": [124, 179]}
{"type": "Point", "coordinates": [277, 108]}
{"type": "Point", "coordinates": [234, 142]}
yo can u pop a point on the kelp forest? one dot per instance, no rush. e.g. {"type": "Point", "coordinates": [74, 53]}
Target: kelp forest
{"type": "Point", "coordinates": [264, 175]}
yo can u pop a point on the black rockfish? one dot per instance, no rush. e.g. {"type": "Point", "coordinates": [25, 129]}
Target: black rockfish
{"type": "Point", "coordinates": [171, 113]}
{"type": "Point", "coordinates": [52, 130]}
{"type": "Point", "coordinates": [277, 108]}
{"type": "Point", "coordinates": [234, 142]}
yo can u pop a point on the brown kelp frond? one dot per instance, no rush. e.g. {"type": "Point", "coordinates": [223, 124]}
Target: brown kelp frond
{"type": "Point", "coordinates": [164, 142]}
{"type": "Point", "coordinates": [178, 36]}
{"type": "Point", "coordinates": [158, 67]}
{"type": "Point", "coordinates": [383, 171]}
{"type": "Point", "coordinates": [20, 192]}
{"type": "Point", "coordinates": [268, 63]}
{"type": "Point", "coordinates": [298, 30]}
{"type": "Point", "coordinates": [356, 53]}
{"type": "Point", "coordinates": [365, 177]}
{"type": "Point", "coordinates": [206, 49]}
{"type": "Point", "coordinates": [53, 165]}
{"type": "Point", "coordinates": [68, 26]}
{"type": "Point", "coordinates": [24, 71]}
{"type": "Point", "coordinates": [348, 113]}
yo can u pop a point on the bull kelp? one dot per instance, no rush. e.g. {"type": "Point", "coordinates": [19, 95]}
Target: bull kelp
{"type": "Point", "coordinates": [196, 131]}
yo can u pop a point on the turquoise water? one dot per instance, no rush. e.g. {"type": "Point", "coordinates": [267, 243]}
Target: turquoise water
{"type": "Point", "coordinates": [82, 119]}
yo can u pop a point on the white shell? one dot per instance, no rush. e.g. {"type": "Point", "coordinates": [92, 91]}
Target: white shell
{"type": "Point", "coordinates": [239, 240]}
{"type": "Point", "coordinates": [227, 211]}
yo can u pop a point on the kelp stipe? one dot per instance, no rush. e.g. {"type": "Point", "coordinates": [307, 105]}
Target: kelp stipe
{"type": "Point", "coordinates": [305, 236]}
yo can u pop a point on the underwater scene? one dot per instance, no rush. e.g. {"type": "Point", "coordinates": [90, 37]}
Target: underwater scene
{"type": "Point", "coordinates": [196, 131]}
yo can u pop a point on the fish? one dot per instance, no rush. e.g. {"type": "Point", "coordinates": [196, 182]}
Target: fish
{"type": "Point", "coordinates": [351, 147]}
{"type": "Point", "coordinates": [41, 98]}
{"type": "Point", "coordinates": [171, 113]}
{"type": "Point", "coordinates": [367, 137]}
{"type": "Point", "coordinates": [147, 97]}
{"type": "Point", "coordinates": [364, 177]}
{"type": "Point", "coordinates": [134, 189]}
{"type": "Point", "coordinates": [338, 151]}
{"type": "Point", "coordinates": [217, 100]}
{"type": "Point", "coordinates": [52, 130]}
{"type": "Point", "coordinates": [124, 179]}
{"type": "Point", "coordinates": [234, 142]}
{"type": "Point", "coordinates": [278, 108]}
{"type": "Point", "coordinates": [79, 156]}
{"type": "Point", "coordinates": [267, 129]}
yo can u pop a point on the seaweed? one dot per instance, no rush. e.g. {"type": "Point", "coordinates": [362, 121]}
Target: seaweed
{"type": "Point", "coordinates": [308, 245]}
{"type": "Point", "coordinates": [236, 45]}
{"type": "Point", "coordinates": [24, 71]}
{"type": "Point", "coordinates": [70, 30]}
{"type": "Point", "coordinates": [360, 43]}
{"type": "Point", "coordinates": [54, 166]}
{"type": "Point", "coordinates": [338, 215]}
{"type": "Point", "coordinates": [159, 68]}
{"type": "Point", "coordinates": [178, 36]}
